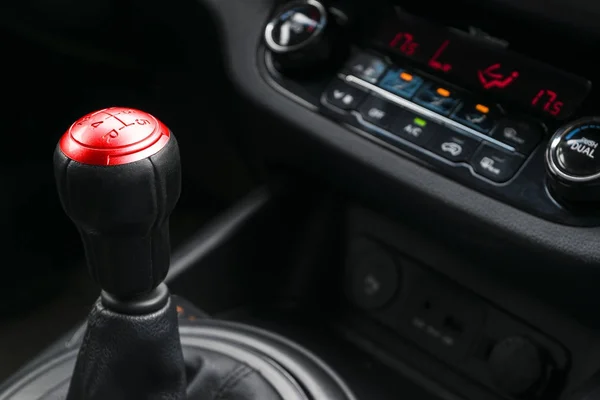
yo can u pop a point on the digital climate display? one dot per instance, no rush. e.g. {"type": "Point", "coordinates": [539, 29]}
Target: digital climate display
{"type": "Point", "coordinates": [484, 67]}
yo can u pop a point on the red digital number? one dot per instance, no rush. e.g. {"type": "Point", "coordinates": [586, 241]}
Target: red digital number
{"type": "Point", "coordinates": [550, 102]}
{"type": "Point", "coordinates": [405, 43]}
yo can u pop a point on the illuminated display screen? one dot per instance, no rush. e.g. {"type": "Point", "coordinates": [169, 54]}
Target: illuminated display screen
{"type": "Point", "coordinates": [484, 67]}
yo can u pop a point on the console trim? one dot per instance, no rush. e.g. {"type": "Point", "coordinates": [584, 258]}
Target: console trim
{"type": "Point", "coordinates": [280, 88]}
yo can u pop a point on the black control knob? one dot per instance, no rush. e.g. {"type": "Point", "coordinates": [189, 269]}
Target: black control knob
{"type": "Point", "coordinates": [573, 162]}
{"type": "Point", "coordinates": [301, 37]}
{"type": "Point", "coordinates": [517, 366]}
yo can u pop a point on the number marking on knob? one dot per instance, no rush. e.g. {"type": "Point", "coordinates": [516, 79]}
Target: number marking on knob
{"type": "Point", "coordinates": [84, 119]}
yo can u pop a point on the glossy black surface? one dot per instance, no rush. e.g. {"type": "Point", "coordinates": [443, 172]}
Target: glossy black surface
{"type": "Point", "coordinates": [516, 177]}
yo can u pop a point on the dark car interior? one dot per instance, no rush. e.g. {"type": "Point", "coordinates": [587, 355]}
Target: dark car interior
{"type": "Point", "coordinates": [310, 200]}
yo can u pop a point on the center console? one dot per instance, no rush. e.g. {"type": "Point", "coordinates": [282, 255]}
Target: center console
{"type": "Point", "coordinates": [457, 101]}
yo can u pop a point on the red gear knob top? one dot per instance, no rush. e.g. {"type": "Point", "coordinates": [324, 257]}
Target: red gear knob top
{"type": "Point", "coordinates": [114, 136]}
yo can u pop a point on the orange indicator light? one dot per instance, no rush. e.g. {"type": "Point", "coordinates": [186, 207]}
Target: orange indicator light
{"type": "Point", "coordinates": [482, 109]}
{"type": "Point", "coordinates": [443, 92]}
{"type": "Point", "coordinates": [405, 76]}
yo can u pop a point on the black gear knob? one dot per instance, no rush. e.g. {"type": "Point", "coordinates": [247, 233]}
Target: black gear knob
{"type": "Point", "coordinates": [118, 175]}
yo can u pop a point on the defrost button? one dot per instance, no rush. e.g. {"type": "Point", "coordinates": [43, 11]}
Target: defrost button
{"type": "Point", "coordinates": [495, 164]}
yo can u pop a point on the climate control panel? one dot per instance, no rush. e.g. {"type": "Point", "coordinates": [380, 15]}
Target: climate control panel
{"type": "Point", "coordinates": [401, 106]}
{"type": "Point", "coordinates": [490, 132]}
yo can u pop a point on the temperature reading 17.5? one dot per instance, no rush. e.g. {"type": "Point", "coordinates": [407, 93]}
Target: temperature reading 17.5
{"type": "Point", "coordinates": [548, 101]}
{"type": "Point", "coordinates": [405, 42]}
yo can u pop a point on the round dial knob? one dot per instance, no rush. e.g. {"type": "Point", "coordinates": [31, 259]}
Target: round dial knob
{"type": "Point", "coordinates": [516, 365]}
{"type": "Point", "coordinates": [300, 36]}
{"type": "Point", "coordinates": [573, 161]}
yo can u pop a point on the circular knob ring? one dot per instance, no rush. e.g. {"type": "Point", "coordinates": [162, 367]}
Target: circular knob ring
{"type": "Point", "coordinates": [556, 140]}
{"type": "Point", "coordinates": [269, 30]}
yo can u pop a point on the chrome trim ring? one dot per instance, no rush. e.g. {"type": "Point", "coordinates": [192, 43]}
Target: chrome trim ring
{"type": "Point", "coordinates": [275, 47]}
{"type": "Point", "coordinates": [551, 161]}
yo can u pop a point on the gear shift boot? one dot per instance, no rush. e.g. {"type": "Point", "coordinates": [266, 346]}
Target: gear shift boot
{"type": "Point", "coordinates": [130, 355]}
{"type": "Point", "coordinates": [224, 361]}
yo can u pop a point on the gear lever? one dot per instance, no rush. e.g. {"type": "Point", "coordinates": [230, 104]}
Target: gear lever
{"type": "Point", "coordinates": [119, 177]}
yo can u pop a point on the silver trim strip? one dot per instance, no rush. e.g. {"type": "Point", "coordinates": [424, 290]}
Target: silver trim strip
{"type": "Point", "coordinates": [424, 111]}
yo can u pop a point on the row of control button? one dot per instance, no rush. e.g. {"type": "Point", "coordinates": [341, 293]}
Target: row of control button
{"type": "Point", "coordinates": [486, 119]}
{"type": "Point", "coordinates": [344, 96]}
{"type": "Point", "coordinates": [493, 163]}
